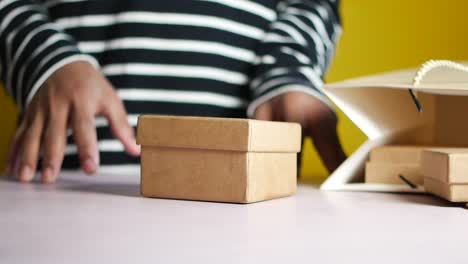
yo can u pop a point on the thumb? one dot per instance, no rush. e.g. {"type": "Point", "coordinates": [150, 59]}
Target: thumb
{"type": "Point", "coordinates": [264, 112]}
{"type": "Point", "coordinates": [115, 113]}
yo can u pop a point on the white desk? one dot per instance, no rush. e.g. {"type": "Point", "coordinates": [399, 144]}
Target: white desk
{"type": "Point", "coordinates": [104, 220]}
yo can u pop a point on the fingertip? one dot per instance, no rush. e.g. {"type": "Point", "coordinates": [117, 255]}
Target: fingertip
{"type": "Point", "coordinates": [26, 174]}
{"type": "Point", "coordinates": [134, 150]}
{"type": "Point", "coordinates": [89, 166]}
{"type": "Point", "coordinates": [48, 180]}
{"type": "Point", "coordinates": [130, 145]}
{"type": "Point", "coordinates": [48, 175]}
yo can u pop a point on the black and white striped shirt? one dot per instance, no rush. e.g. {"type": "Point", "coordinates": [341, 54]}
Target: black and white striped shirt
{"type": "Point", "coordinates": [178, 57]}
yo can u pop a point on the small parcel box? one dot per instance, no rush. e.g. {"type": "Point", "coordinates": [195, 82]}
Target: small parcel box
{"type": "Point", "coordinates": [446, 173]}
{"type": "Point", "coordinates": [395, 164]}
{"type": "Point", "coordinates": [424, 106]}
{"type": "Point", "coordinates": [217, 159]}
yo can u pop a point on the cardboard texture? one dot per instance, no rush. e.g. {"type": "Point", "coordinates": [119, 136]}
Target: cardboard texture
{"type": "Point", "coordinates": [446, 173]}
{"type": "Point", "coordinates": [383, 108]}
{"type": "Point", "coordinates": [397, 154]}
{"type": "Point", "coordinates": [450, 192]}
{"type": "Point", "coordinates": [387, 163]}
{"type": "Point", "coordinates": [217, 159]}
{"type": "Point", "coordinates": [390, 173]}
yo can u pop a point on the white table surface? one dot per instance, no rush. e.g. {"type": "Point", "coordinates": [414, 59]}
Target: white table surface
{"type": "Point", "coordinates": [103, 219]}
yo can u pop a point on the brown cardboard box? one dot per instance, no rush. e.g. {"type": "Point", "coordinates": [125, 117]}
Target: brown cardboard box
{"type": "Point", "coordinates": [382, 172]}
{"type": "Point", "coordinates": [387, 163]}
{"type": "Point", "coordinates": [217, 159]}
{"type": "Point", "coordinates": [446, 173]}
{"type": "Point", "coordinates": [397, 154]}
{"type": "Point", "coordinates": [450, 192]}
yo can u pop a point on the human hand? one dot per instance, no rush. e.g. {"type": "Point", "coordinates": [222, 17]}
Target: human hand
{"type": "Point", "coordinates": [70, 98]}
{"type": "Point", "coordinates": [316, 118]}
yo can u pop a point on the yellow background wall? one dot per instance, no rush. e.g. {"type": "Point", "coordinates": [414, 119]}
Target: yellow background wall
{"type": "Point", "coordinates": [378, 35]}
{"type": "Point", "coordinates": [8, 117]}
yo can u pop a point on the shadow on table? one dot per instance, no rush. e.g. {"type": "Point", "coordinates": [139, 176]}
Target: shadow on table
{"type": "Point", "coordinates": [427, 199]}
{"type": "Point", "coordinates": [121, 189]}
{"type": "Point", "coordinates": [113, 189]}
{"type": "Point", "coordinates": [414, 198]}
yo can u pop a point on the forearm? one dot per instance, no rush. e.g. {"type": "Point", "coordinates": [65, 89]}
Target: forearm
{"type": "Point", "coordinates": [296, 52]}
{"type": "Point", "coordinates": [31, 48]}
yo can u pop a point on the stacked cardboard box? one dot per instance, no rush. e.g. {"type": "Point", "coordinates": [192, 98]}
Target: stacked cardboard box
{"type": "Point", "coordinates": [443, 171]}
{"type": "Point", "coordinates": [446, 173]}
{"type": "Point", "coordinates": [395, 165]}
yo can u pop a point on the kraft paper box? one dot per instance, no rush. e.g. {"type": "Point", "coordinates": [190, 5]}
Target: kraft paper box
{"type": "Point", "coordinates": [383, 108]}
{"type": "Point", "coordinates": [397, 154]}
{"type": "Point", "coordinates": [217, 159]}
{"type": "Point", "coordinates": [377, 172]}
{"type": "Point", "coordinates": [446, 173]}
{"type": "Point", "coordinates": [387, 164]}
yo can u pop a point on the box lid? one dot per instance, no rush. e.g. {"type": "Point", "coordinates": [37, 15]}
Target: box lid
{"type": "Point", "coordinates": [218, 133]}
{"type": "Point", "coordinates": [448, 165]}
{"type": "Point", "coordinates": [397, 154]}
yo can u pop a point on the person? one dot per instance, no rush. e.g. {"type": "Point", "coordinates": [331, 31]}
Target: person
{"type": "Point", "coordinates": [81, 71]}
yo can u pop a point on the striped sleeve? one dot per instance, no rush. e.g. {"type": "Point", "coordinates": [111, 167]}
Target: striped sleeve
{"type": "Point", "coordinates": [295, 53]}
{"type": "Point", "coordinates": [31, 48]}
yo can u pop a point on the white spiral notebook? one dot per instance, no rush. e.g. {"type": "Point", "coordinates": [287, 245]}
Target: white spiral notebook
{"type": "Point", "coordinates": [422, 106]}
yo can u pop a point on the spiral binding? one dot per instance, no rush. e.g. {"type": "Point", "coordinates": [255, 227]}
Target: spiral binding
{"type": "Point", "coordinates": [425, 69]}
{"type": "Point", "coordinates": [433, 64]}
